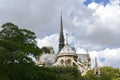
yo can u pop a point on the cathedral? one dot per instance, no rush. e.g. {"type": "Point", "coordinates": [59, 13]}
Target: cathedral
{"type": "Point", "coordinates": [66, 56]}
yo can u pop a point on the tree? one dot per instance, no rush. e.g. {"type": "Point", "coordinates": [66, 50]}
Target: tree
{"type": "Point", "coordinates": [16, 44]}
{"type": "Point", "coordinates": [114, 72]}
{"type": "Point", "coordinates": [107, 73]}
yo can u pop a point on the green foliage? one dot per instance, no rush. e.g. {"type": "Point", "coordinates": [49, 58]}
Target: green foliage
{"type": "Point", "coordinates": [32, 72]}
{"type": "Point", "coordinates": [7, 57]}
{"type": "Point", "coordinates": [117, 78]}
{"type": "Point", "coordinates": [107, 73]}
{"type": "Point", "coordinates": [113, 72]}
{"type": "Point", "coordinates": [66, 73]}
{"type": "Point", "coordinates": [16, 44]}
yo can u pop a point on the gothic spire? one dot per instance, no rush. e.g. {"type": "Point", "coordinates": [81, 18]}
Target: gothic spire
{"type": "Point", "coordinates": [96, 69]}
{"type": "Point", "coordinates": [61, 25]}
{"type": "Point", "coordinates": [96, 65]}
{"type": "Point", "coordinates": [61, 37]}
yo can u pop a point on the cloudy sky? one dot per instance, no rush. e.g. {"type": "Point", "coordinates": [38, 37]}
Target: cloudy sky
{"type": "Point", "coordinates": [92, 25]}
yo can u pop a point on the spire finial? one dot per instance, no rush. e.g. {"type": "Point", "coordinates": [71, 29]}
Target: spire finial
{"type": "Point", "coordinates": [66, 39]}
{"type": "Point", "coordinates": [87, 51]}
{"type": "Point", "coordinates": [96, 65]}
{"type": "Point", "coordinates": [61, 12]}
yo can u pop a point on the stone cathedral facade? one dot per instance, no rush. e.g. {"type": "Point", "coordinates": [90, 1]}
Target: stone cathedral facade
{"type": "Point", "coordinates": [66, 56]}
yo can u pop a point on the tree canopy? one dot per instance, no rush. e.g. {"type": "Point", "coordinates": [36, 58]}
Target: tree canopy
{"type": "Point", "coordinates": [16, 44]}
{"type": "Point", "coordinates": [107, 73]}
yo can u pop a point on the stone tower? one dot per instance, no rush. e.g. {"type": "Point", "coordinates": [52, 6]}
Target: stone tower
{"type": "Point", "coordinates": [96, 69]}
{"type": "Point", "coordinates": [61, 37]}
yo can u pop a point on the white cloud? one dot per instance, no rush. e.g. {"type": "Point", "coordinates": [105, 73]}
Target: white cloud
{"type": "Point", "coordinates": [100, 26]}
{"type": "Point", "coordinates": [93, 5]}
{"type": "Point", "coordinates": [51, 40]}
{"type": "Point", "coordinates": [115, 2]}
{"type": "Point", "coordinates": [111, 56]}
{"type": "Point", "coordinates": [109, 13]}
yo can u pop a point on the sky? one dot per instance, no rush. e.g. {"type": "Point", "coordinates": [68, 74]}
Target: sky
{"type": "Point", "coordinates": [91, 25]}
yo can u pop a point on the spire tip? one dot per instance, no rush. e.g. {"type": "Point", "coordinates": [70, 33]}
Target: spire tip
{"type": "Point", "coordinates": [66, 38]}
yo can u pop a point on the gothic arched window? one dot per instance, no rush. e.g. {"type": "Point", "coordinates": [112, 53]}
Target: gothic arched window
{"type": "Point", "coordinates": [62, 61]}
{"type": "Point", "coordinates": [68, 62]}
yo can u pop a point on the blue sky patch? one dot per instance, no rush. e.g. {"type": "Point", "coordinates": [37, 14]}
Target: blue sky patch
{"type": "Point", "coordinates": [72, 44]}
{"type": "Point", "coordinates": [47, 34]}
{"type": "Point", "coordinates": [102, 59]}
{"type": "Point", "coordinates": [87, 2]}
{"type": "Point", "coordinates": [73, 34]}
